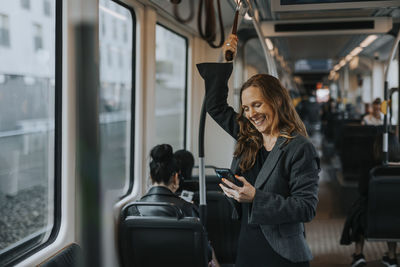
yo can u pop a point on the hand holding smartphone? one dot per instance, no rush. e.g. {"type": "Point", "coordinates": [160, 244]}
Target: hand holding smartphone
{"type": "Point", "coordinates": [228, 174]}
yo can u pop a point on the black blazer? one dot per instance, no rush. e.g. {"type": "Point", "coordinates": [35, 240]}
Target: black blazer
{"type": "Point", "coordinates": [163, 194]}
{"type": "Point", "coordinates": [287, 184]}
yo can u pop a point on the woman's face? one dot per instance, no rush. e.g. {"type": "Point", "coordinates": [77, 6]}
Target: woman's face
{"type": "Point", "coordinates": [257, 110]}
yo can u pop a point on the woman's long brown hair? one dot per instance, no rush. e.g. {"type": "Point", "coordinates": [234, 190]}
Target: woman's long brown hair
{"type": "Point", "coordinates": [286, 121]}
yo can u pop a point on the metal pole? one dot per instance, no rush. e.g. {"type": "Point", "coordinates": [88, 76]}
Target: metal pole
{"type": "Point", "coordinates": [202, 176]}
{"type": "Point", "coordinates": [385, 129]}
{"type": "Point", "coordinates": [385, 140]}
{"type": "Point", "coordinates": [398, 93]}
{"type": "Point", "coordinates": [271, 70]}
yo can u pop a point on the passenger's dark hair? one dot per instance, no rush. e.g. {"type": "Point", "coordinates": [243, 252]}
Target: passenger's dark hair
{"type": "Point", "coordinates": [162, 164]}
{"type": "Point", "coordinates": [185, 161]}
{"type": "Point", "coordinates": [377, 101]}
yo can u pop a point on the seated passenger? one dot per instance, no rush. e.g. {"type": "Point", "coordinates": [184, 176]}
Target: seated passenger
{"type": "Point", "coordinates": [376, 116]}
{"type": "Point", "coordinates": [185, 162]}
{"type": "Point", "coordinates": [165, 177]}
{"type": "Point", "coordinates": [165, 173]}
{"type": "Point", "coordinates": [356, 221]}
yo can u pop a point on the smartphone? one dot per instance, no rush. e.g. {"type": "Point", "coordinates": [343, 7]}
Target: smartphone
{"type": "Point", "coordinates": [187, 195]}
{"type": "Point", "coordinates": [227, 174]}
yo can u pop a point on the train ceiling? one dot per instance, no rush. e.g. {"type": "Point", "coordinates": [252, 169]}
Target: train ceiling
{"type": "Point", "coordinates": [294, 48]}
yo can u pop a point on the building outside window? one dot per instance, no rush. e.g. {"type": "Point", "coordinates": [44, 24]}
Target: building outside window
{"type": "Point", "coordinates": [125, 33]}
{"type": "Point", "coordinates": [109, 56]}
{"type": "Point", "coordinates": [26, 4]}
{"type": "Point", "coordinates": [4, 31]}
{"type": "Point", "coordinates": [47, 8]}
{"type": "Point", "coordinates": [103, 24]}
{"type": "Point", "coordinates": [37, 37]}
{"type": "Point", "coordinates": [114, 27]}
{"type": "Point", "coordinates": [120, 60]}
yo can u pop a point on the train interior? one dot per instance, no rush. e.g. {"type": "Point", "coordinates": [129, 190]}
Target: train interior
{"type": "Point", "coordinates": [87, 88]}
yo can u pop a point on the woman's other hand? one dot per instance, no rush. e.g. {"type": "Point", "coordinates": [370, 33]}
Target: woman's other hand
{"type": "Point", "coordinates": [230, 44]}
{"type": "Point", "coordinates": [244, 194]}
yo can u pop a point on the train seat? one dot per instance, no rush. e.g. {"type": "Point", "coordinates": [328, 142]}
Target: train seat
{"type": "Point", "coordinates": [212, 182]}
{"type": "Point", "coordinates": [356, 150]}
{"type": "Point", "coordinates": [223, 231]}
{"type": "Point", "coordinates": [384, 204]}
{"type": "Point", "coordinates": [161, 241]}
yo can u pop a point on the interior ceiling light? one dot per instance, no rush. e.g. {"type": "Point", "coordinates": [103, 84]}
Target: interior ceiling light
{"type": "Point", "coordinates": [354, 63]}
{"type": "Point", "coordinates": [356, 51]}
{"type": "Point", "coordinates": [247, 16]}
{"type": "Point", "coordinates": [269, 44]}
{"type": "Point", "coordinates": [348, 57]}
{"type": "Point", "coordinates": [351, 57]}
{"type": "Point", "coordinates": [368, 40]}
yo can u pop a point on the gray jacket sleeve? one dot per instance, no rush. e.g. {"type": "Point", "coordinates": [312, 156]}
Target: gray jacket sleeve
{"type": "Point", "coordinates": [301, 202]}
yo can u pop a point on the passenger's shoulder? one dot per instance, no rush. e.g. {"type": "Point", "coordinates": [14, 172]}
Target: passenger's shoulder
{"type": "Point", "coordinates": [299, 140]}
{"type": "Point", "coordinates": [301, 146]}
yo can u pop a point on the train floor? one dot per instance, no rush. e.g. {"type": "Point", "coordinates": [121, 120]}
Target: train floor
{"type": "Point", "coordinates": [324, 231]}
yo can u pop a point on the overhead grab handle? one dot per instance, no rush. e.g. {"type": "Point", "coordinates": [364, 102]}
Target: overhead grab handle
{"type": "Point", "coordinates": [228, 53]}
{"type": "Point", "coordinates": [175, 4]}
{"type": "Point", "coordinates": [210, 31]}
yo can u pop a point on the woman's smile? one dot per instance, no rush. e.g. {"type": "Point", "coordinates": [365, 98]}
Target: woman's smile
{"type": "Point", "coordinates": [256, 109]}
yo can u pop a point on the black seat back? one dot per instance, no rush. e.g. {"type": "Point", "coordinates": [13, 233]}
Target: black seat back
{"type": "Point", "coordinates": [223, 231]}
{"type": "Point", "coordinates": [384, 203]}
{"type": "Point", "coordinates": [357, 151]}
{"type": "Point", "coordinates": [162, 241]}
{"type": "Point", "coordinates": [212, 182]}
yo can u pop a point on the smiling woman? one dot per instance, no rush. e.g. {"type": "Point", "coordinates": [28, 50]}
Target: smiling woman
{"type": "Point", "coordinates": [274, 160]}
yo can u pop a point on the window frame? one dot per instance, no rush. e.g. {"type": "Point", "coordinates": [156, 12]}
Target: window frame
{"type": "Point", "coordinates": [185, 115]}
{"type": "Point", "coordinates": [20, 251]}
{"type": "Point", "coordinates": [133, 100]}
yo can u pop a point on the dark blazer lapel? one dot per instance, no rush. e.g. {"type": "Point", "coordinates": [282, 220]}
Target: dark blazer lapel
{"type": "Point", "coordinates": [235, 165]}
{"type": "Point", "coordinates": [270, 163]}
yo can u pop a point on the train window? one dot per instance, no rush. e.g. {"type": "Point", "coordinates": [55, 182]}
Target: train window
{"type": "Point", "coordinates": [30, 134]}
{"type": "Point", "coordinates": [116, 95]}
{"type": "Point", "coordinates": [171, 76]}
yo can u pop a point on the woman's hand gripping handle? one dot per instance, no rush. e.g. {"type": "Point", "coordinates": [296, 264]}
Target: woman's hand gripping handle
{"type": "Point", "coordinates": [229, 47]}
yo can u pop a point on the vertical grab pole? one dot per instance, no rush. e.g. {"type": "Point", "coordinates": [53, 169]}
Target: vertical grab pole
{"type": "Point", "coordinates": [385, 140]}
{"type": "Point", "coordinates": [202, 176]}
{"type": "Point", "coordinates": [398, 93]}
{"type": "Point", "coordinates": [385, 128]}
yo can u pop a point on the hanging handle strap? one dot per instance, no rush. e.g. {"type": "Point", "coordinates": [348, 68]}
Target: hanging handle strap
{"type": "Point", "coordinates": [177, 15]}
{"type": "Point", "coordinates": [210, 31]}
{"type": "Point", "coordinates": [228, 53]}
